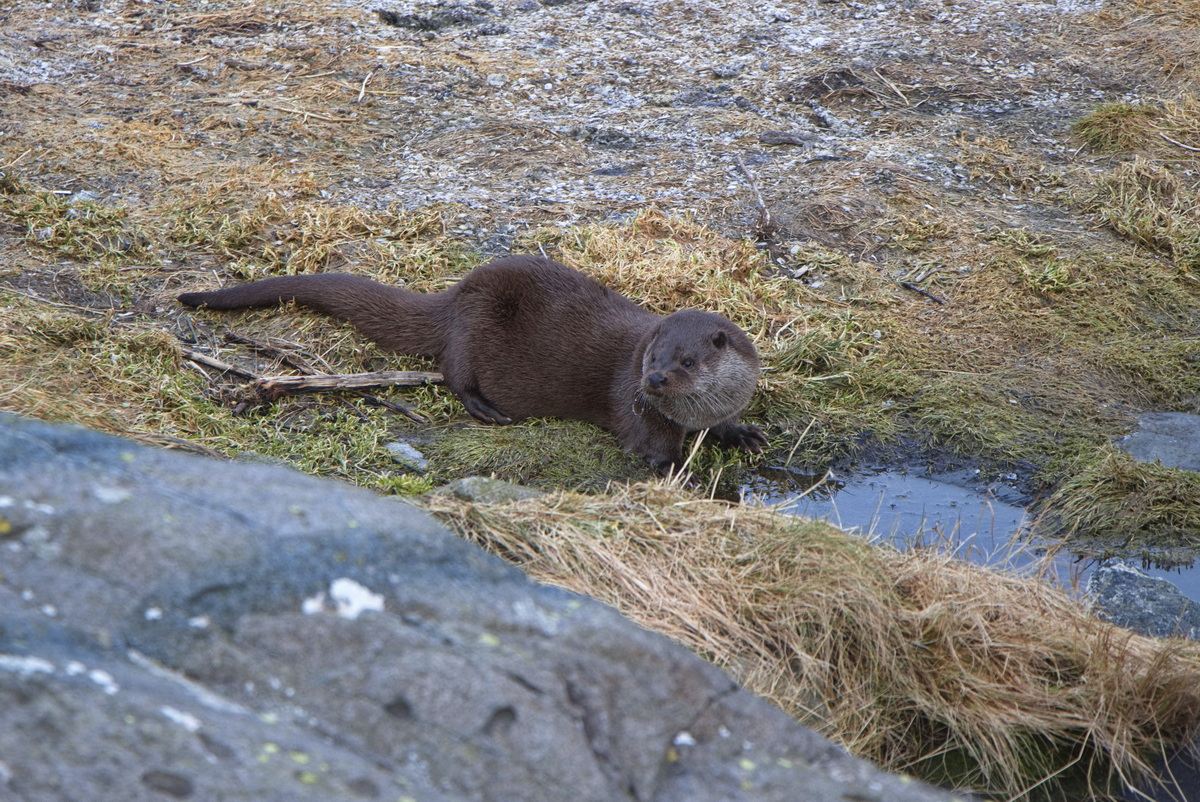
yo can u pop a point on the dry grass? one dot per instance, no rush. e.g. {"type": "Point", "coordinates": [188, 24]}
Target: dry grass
{"type": "Point", "coordinates": [1118, 126]}
{"type": "Point", "coordinates": [670, 262]}
{"type": "Point", "coordinates": [1154, 207]}
{"type": "Point", "coordinates": [1162, 35]}
{"type": "Point", "coordinates": [916, 661]}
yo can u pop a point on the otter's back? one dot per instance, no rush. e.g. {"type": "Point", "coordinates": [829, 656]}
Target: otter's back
{"type": "Point", "coordinates": [543, 339]}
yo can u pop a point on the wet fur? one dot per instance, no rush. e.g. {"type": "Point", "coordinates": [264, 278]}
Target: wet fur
{"type": "Point", "coordinates": [527, 337]}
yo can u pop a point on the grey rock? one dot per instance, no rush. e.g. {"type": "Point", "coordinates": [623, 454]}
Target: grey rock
{"type": "Point", "coordinates": [406, 454]}
{"type": "Point", "coordinates": [714, 96]}
{"type": "Point", "coordinates": [1172, 438]}
{"type": "Point", "coordinates": [1126, 596]}
{"type": "Point", "coordinates": [486, 490]}
{"type": "Point", "coordinates": [261, 459]}
{"type": "Point", "coordinates": [600, 137]}
{"type": "Point", "coordinates": [165, 632]}
{"type": "Point", "coordinates": [443, 15]}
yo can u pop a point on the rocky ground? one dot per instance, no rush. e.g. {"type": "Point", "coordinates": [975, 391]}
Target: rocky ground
{"type": "Point", "coordinates": [567, 111]}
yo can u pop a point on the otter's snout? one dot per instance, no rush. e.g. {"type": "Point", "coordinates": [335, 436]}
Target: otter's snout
{"type": "Point", "coordinates": [655, 381]}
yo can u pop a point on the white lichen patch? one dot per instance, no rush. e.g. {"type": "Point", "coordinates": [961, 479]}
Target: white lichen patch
{"type": "Point", "coordinates": [313, 604]}
{"type": "Point", "coordinates": [38, 507]}
{"type": "Point", "coordinates": [346, 597]}
{"type": "Point", "coordinates": [110, 495]}
{"type": "Point", "coordinates": [25, 665]}
{"type": "Point", "coordinates": [532, 614]}
{"type": "Point", "coordinates": [352, 598]}
{"type": "Point", "coordinates": [106, 681]}
{"type": "Point", "coordinates": [185, 720]}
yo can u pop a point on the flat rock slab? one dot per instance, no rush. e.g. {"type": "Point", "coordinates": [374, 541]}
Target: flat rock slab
{"type": "Point", "coordinates": [1172, 438]}
{"type": "Point", "coordinates": [177, 627]}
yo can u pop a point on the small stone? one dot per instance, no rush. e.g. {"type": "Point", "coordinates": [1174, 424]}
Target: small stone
{"type": "Point", "coordinates": [406, 455]}
{"type": "Point", "coordinates": [784, 138]}
{"type": "Point", "coordinates": [487, 490]}
{"type": "Point", "coordinates": [1128, 597]}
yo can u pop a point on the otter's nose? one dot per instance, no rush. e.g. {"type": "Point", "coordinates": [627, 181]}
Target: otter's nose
{"type": "Point", "coordinates": [656, 380]}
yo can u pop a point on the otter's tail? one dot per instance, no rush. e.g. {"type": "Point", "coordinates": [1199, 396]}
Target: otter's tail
{"type": "Point", "coordinates": [399, 320]}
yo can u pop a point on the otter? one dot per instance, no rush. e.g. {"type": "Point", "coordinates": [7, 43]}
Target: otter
{"type": "Point", "coordinates": [525, 336]}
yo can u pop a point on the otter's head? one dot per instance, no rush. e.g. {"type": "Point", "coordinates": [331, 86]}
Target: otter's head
{"type": "Point", "coordinates": [698, 369]}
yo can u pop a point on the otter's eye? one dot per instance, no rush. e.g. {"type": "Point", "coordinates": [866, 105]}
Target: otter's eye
{"type": "Point", "coordinates": [688, 363]}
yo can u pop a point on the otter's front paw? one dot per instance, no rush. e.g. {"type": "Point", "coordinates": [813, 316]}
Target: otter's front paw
{"type": "Point", "coordinates": [747, 438]}
{"type": "Point", "coordinates": [664, 467]}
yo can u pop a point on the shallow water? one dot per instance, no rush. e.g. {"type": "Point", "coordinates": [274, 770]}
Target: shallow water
{"type": "Point", "coordinates": [908, 508]}
{"type": "Point", "coordinates": [981, 523]}
{"type": "Point", "coordinates": [1172, 438]}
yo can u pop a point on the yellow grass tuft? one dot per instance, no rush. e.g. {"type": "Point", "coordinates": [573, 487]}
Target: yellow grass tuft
{"type": "Point", "coordinates": [668, 263]}
{"type": "Point", "coordinates": [1117, 126]}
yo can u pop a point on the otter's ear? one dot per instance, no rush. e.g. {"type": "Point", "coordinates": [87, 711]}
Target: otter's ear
{"type": "Point", "coordinates": [720, 339]}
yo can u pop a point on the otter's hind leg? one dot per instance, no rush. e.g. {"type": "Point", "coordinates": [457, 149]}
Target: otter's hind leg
{"type": "Point", "coordinates": [465, 384]}
{"type": "Point", "coordinates": [480, 408]}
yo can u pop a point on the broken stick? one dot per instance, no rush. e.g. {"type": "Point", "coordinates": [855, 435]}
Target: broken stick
{"type": "Point", "coordinates": [274, 386]}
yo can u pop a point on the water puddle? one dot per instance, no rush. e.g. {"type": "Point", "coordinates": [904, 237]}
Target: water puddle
{"type": "Point", "coordinates": [952, 512]}
{"type": "Point", "coordinates": [1172, 438]}
{"type": "Point", "coordinates": [955, 513]}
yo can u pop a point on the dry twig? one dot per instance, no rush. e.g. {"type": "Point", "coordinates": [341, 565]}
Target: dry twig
{"type": "Point", "coordinates": [274, 386]}
{"type": "Point", "coordinates": [762, 226]}
{"type": "Point", "coordinates": [908, 285]}
{"type": "Point", "coordinates": [224, 367]}
{"type": "Point", "coordinates": [1178, 143]}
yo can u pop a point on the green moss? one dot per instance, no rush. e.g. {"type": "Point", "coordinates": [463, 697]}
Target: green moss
{"type": "Point", "coordinates": [1114, 127]}
{"type": "Point", "coordinates": [1119, 506]}
{"type": "Point", "coordinates": [549, 453]}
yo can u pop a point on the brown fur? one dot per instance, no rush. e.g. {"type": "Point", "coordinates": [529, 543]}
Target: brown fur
{"type": "Point", "coordinates": [527, 337]}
